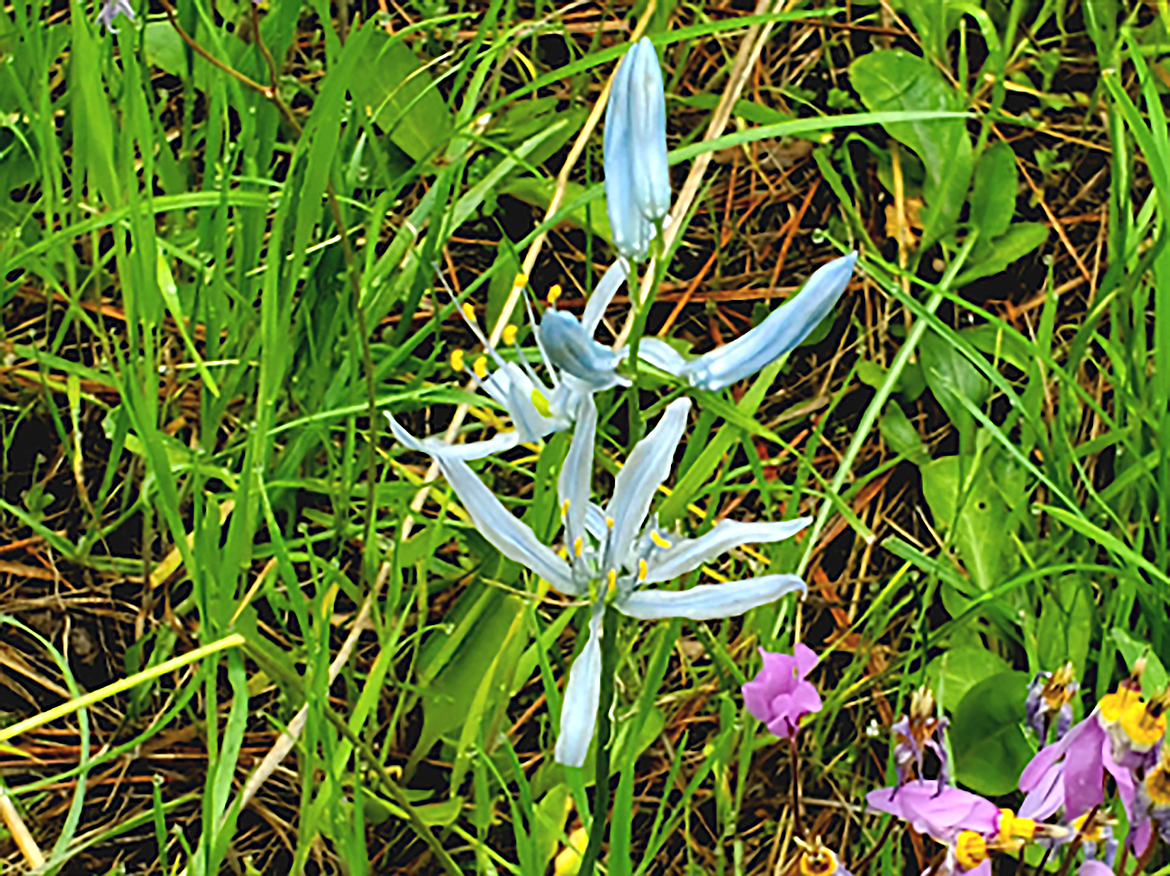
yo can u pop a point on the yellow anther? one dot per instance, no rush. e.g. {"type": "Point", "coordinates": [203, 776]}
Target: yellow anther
{"type": "Point", "coordinates": [509, 334]}
{"type": "Point", "coordinates": [457, 360]}
{"type": "Point", "coordinates": [643, 570]}
{"type": "Point", "coordinates": [565, 507]}
{"type": "Point", "coordinates": [564, 553]}
{"type": "Point", "coordinates": [1011, 827]}
{"type": "Point", "coordinates": [521, 280]}
{"type": "Point", "coordinates": [612, 582]}
{"type": "Point", "coordinates": [480, 367]}
{"type": "Point", "coordinates": [970, 849]}
{"type": "Point", "coordinates": [1089, 832]}
{"type": "Point", "coordinates": [469, 311]}
{"type": "Point", "coordinates": [578, 546]}
{"type": "Point", "coordinates": [609, 522]}
{"type": "Point", "coordinates": [541, 403]}
{"type": "Point", "coordinates": [554, 293]}
{"type": "Point", "coordinates": [659, 540]}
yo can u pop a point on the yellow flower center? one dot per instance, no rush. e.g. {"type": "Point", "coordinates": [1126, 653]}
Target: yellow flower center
{"type": "Point", "coordinates": [1012, 827]}
{"type": "Point", "coordinates": [1113, 706]}
{"type": "Point", "coordinates": [817, 862]}
{"type": "Point", "coordinates": [1143, 724]}
{"type": "Point", "coordinates": [1158, 784]}
{"type": "Point", "coordinates": [970, 849]}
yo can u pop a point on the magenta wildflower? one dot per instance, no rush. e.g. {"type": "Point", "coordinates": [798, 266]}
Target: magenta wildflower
{"type": "Point", "coordinates": [1119, 739]}
{"type": "Point", "coordinates": [779, 695]}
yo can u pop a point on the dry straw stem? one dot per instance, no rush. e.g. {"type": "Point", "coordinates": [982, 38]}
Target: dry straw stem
{"type": "Point", "coordinates": [117, 687]}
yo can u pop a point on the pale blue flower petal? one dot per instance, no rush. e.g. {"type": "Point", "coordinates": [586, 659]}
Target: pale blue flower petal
{"type": "Point", "coordinates": [628, 227]}
{"type": "Point", "coordinates": [778, 334]}
{"type": "Point", "coordinates": [511, 537]}
{"type": "Point", "coordinates": [603, 294]}
{"type": "Point", "coordinates": [436, 447]}
{"type": "Point", "coordinates": [687, 554]}
{"type": "Point", "coordinates": [635, 485]}
{"type": "Point", "coordinates": [570, 348]}
{"type": "Point", "coordinates": [648, 131]}
{"type": "Point", "coordinates": [661, 355]}
{"type": "Point", "coordinates": [576, 477]}
{"type": "Point", "coordinates": [582, 694]}
{"type": "Point", "coordinates": [709, 601]}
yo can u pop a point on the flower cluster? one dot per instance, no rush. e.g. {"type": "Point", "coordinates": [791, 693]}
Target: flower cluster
{"type": "Point", "coordinates": [611, 553]}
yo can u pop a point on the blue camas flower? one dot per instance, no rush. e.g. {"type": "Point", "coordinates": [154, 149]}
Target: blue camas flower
{"type": "Point", "coordinates": [637, 180]}
{"type": "Point", "coordinates": [610, 553]}
{"type": "Point", "coordinates": [575, 364]}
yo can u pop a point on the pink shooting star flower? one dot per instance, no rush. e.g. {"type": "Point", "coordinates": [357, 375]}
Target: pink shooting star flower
{"type": "Point", "coordinates": [779, 695]}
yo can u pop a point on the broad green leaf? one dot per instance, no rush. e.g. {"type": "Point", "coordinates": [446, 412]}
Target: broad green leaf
{"type": "Point", "coordinates": [993, 194]}
{"type": "Point", "coordinates": [901, 435]}
{"type": "Point", "coordinates": [397, 91]}
{"type": "Point", "coordinates": [951, 375]}
{"type": "Point", "coordinates": [893, 80]}
{"type": "Point", "coordinates": [954, 672]}
{"type": "Point", "coordinates": [474, 676]}
{"type": "Point", "coordinates": [980, 527]}
{"type": "Point", "coordinates": [165, 48]}
{"type": "Point", "coordinates": [989, 746]}
{"type": "Point", "coordinates": [1020, 239]}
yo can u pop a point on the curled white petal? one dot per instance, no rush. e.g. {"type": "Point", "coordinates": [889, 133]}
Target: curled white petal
{"type": "Point", "coordinates": [781, 332]}
{"type": "Point", "coordinates": [511, 537]}
{"type": "Point", "coordinates": [582, 694]}
{"type": "Point", "coordinates": [709, 601]}
{"type": "Point", "coordinates": [687, 554]}
{"type": "Point", "coordinates": [640, 477]}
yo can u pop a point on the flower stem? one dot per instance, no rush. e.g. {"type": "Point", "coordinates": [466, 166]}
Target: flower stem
{"type": "Point", "coordinates": [794, 763]}
{"type": "Point", "coordinates": [609, 655]}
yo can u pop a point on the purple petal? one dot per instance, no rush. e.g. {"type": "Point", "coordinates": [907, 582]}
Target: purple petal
{"type": "Point", "coordinates": [938, 813]}
{"type": "Point", "coordinates": [1046, 796]}
{"type": "Point", "coordinates": [1049, 754]}
{"type": "Point", "coordinates": [806, 659]}
{"type": "Point", "coordinates": [1084, 770]}
{"type": "Point", "coordinates": [1094, 868]}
